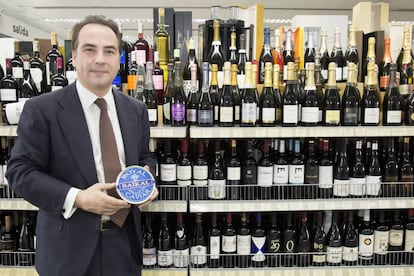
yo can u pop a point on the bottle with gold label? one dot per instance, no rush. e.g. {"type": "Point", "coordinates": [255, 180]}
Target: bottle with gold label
{"type": "Point", "coordinates": [278, 94]}
{"type": "Point", "coordinates": [406, 73]}
{"type": "Point", "coordinates": [351, 54]}
{"type": "Point", "coordinates": [248, 99]}
{"type": "Point", "coordinates": [236, 93]}
{"type": "Point", "coordinates": [226, 108]}
{"type": "Point", "coordinates": [370, 99]}
{"type": "Point", "coordinates": [351, 100]}
{"type": "Point", "coordinates": [331, 115]}
{"type": "Point", "coordinates": [267, 100]}
{"type": "Point", "coordinates": [216, 52]}
{"type": "Point", "coordinates": [290, 97]}
{"type": "Point", "coordinates": [369, 58]}
{"type": "Point", "coordinates": [310, 104]}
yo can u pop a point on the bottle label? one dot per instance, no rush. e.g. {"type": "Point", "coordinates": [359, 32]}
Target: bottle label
{"type": "Point", "coordinates": [371, 115]}
{"type": "Point", "coordinates": [324, 73]}
{"type": "Point", "coordinates": [290, 114]}
{"type": "Point", "coordinates": [278, 114]}
{"type": "Point", "coordinates": [264, 176]}
{"type": "Point", "coordinates": [357, 186]}
{"type": "Point", "coordinates": [8, 95]}
{"type": "Point", "coordinates": [244, 244]}
{"type": "Point", "coordinates": [273, 246]}
{"type": "Point", "coordinates": [183, 175]}
{"type": "Point", "coordinates": [205, 116]}
{"type": "Point", "coordinates": [158, 82]}
{"type": "Point", "coordinates": [200, 174]}
{"type": "Point", "coordinates": [310, 114]}
{"type": "Point", "coordinates": [341, 187]}
{"type": "Point", "coordinates": [70, 75]}
{"type": "Point", "coordinates": [326, 177]}
{"type": "Point", "coordinates": [192, 115]}
{"type": "Point", "coordinates": [381, 239]}
{"type": "Point", "coordinates": [215, 247]}
{"type": "Point", "coordinates": [285, 72]}
{"type": "Point", "coordinates": [237, 113]}
{"type": "Point", "coordinates": [240, 81]}
{"type": "Point", "coordinates": [339, 73]}
{"type": "Point", "coordinates": [345, 73]}
{"type": "Point", "coordinates": [152, 114]}
{"type": "Point", "coordinates": [187, 85]}
{"type": "Point", "coordinates": [280, 174]}
{"type": "Point", "coordinates": [405, 89]}
{"type": "Point", "coordinates": [14, 110]}
{"type": "Point", "coordinates": [37, 76]}
{"type": "Point", "coordinates": [168, 172]}
{"type": "Point", "coordinates": [132, 82]}
{"type": "Point", "coordinates": [166, 108]}
{"type": "Point", "coordinates": [181, 257]}
{"type": "Point", "coordinates": [334, 254]}
{"type": "Point", "coordinates": [268, 115]}
{"type": "Point", "coordinates": [178, 112]}
{"type": "Point", "coordinates": [396, 237]}
{"type": "Point", "coordinates": [409, 240]}
{"type": "Point", "coordinates": [296, 174]}
{"type": "Point", "coordinates": [165, 258]}
{"type": "Point", "coordinates": [332, 117]}
{"type": "Point", "coordinates": [233, 173]}
{"type": "Point", "coordinates": [373, 184]}
{"type": "Point", "coordinates": [216, 188]}
{"type": "Point", "coordinates": [394, 116]}
{"type": "Point", "coordinates": [17, 72]}
{"type": "Point", "coordinates": [384, 81]}
{"type": "Point", "coordinates": [198, 254]}
{"type": "Point", "coordinates": [149, 256]}
{"type": "Point", "coordinates": [228, 244]}
{"type": "Point", "coordinates": [318, 256]}
{"type": "Point", "coordinates": [249, 175]}
{"type": "Point", "coordinates": [366, 246]}
{"type": "Point", "coordinates": [141, 56]}
{"type": "Point", "coordinates": [248, 112]}
{"type": "Point", "coordinates": [258, 244]}
{"type": "Point", "coordinates": [350, 254]}
{"type": "Point", "coordinates": [351, 115]}
{"type": "Point", "coordinates": [56, 87]}
{"type": "Point", "coordinates": [226, 114]}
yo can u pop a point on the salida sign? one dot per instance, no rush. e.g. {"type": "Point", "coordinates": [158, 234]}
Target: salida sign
{"type": "Point", "coordinates": [21, 30]}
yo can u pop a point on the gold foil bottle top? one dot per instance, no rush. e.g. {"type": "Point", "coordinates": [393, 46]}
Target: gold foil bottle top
{"type": "Point", "coordinates": [352, 73]}
{"type": "Point", "coordinates": [351, 35]}
{"type": "Point", "coordinates": [233, 143]}
{"type": "Point", "coordinates": [226, 65]}
{"type": "Point", "coordinates": [233, 40]}
{"type": "Point", "coordinates": [291, 71]}
{"type": "Point", "coordinates": [53, 38]}
{"type": "Point", "coordinates": [17, 46]}
{"type": "Point", "coordinates": [332, 74]}
{"type": "Point", "coordinates": [268, 74]}
{"type": "Point", "coordinates": [371, 79]}
{"type": "Point", "coordinates": [36, 46]}
{"type": "Point", "coordinates": [276, 76]}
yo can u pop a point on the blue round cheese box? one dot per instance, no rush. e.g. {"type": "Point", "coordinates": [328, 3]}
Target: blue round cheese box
{"type": "Point", "coordinates": [135, 184]}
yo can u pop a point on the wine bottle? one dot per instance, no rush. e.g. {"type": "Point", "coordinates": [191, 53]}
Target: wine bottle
{"type": "Point", "coordinates": [310, 50]}
{"type": "Point", "coordinates": [28, 87]}
{"type": "Point", "coordinates": [215, 92]}
{"type": "Point", "coordinates": [181, 250]}
{"type": "Point", "coordinates": [158, 81]}
{"type": "Point", "coordinates": [350, 245]}
{"type": "Point", "coordinates": [126, 48]}
{"type": "Point", "coordinates": [319, 243]}
{"type": "Point", "coordinates": [214, 244]}
{"type": "Point", "coordinates": [409, 238]}
{"type": "Point", "coordinates": [161, 38]}
{"type": "Point", "coordinates": [37, 68]}
{"type": "Point", "coordinates": [8, 243]}
{"type": "Point", "coordinates": [226, 107]}
{"type": "Point", "coordinates": [341, 172]}
{"type": "Point", "coordinates": [233, 173]}
{"type": "Point", "coordinates": [267, 100]}
{"type": "Point", "coordinates": [273, 243]}
{"type": "Point", "coordinates": [256, 92]}
{"type": "Point", "coordinates": [409, 110]}
{"type": "Point", "coordinates": [265, 55]}
{"type": "Point", "coordinates": [393, 102]}
{"type": "Point", "coordinates": [198, 249]}
{"type": "Point", "coordinates": [168, 172]}
{"type": "Point", "coordinates": [366, 240]}
{"type": "Point", "coordinates": [319, 83]}
{"type": "Point", "coordinates": [357, 183]}
{"type": "Point", "coordinates": [70, 70]}
{"type": "Point", "coordinates": [406, 73]}
{"type": "Point", "coordinates": [232, 54]}
{"type": "Point", "coordinates": [370, 58]}
{"type": "Point", "coordinates": [351, 99]}
{"type": "Point", "coordinates": [278, 54]}
{"type": "Point", "coordinates": [9, 87]}
{"type": "Point", "coordinates": [370, 100]}
{"type": "Point", "coordinates": [351, 54]}
{"type": "Point", "coordinates": [258, 243]}
{"type": "Point", "coordinates": [374, 172]}
{"type": "Point", "coordinates": [149, 250]}
{"type": "Point", "coordinates": [216, 52]}
{"type": "Point", "coordinates": [310, 103]}
{"type": "Point", "coordinates": [165, 253]}
{"type": "Point", "coordinates": [311, 171]}
{"type": "Point", "coordinates": [132, 77]}
{"type": "Point", "coordinates": [200, 174]}
{"type": "Point", "coordinates": [290, 98]}
{"type": "Point", "coordinates": [58, 80]}
{"type": "Point", "coordinates": [289, 242]}
{"type": "Point", "coordinates": [406, 173]}
{"type": "Point", "coordinates": [169, 87]}
{"type": "Point", "coordinates": [334, 243]}
{"type": "Point", "coordinates": [236, 94]}
{"type": "Point", "coordinates": [216, 176]}
{"type": "Point", "coordinates": [229, 243]}
{"type": "Point", "coordinates": [395, 245]}
{"type": "Point", "coordinates": [242, 61]}
{"type": "Point", "coordinates": [265, 172]}
{"type": "Point", "coordinates": [390, 172]}
{"type": "Point", "coordinates": [178, 98]}
{"type": "Point", "coordinates": [277, 94]}
{"type": "Point", "coordinates": [304, 242]}
{"type": "Point", "coordinates": [337, 56]}
{"type": "Point", "coordinates": [51, 61]}
{"type": "Point", "coordinates": [381, 239]}
{"type": "Point", "coordinates": [249, 175]}
{"type": "Point", "coordinates": [184, 166]}
{"type": "Point", "coordinates": [325, 59]}
{"type": "Point", "coordinates": [150, 96]}
{"type": "Point", "coordinates": [192, 98]}
{"type": "Point", "coordinates": [326, 169]}
{"type": "Point", "coordinates": [288, 54]}
{"type": "Point", "coordinates": [205, 110]}
{"type": "Point", "coordinates": [187, 74]}
{"type": "Point", "coordinates": [244, 242]}
{"type": "Point", "coordinates": [248, 99]}
{"type": "Point", "coordinates": [406, 43]}
{"type": "Point", "coordinates": [25, 247]}
{"type": "Point", "coordinates": [331, 104]}
{"type": "Point", "coordinates": [141, 46]}
{"type": "Point", "coordinates": [17, 63]}
{"type": "Point", "coordinates": [140, 83]}
{"type": "Point", "coordinates": [384, 68]}
{"type": "Point", "coordinates": [280, 172]}
{"type": "Point", "coordinates": [296, 173]}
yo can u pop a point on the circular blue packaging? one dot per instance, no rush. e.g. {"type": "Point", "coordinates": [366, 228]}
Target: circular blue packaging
{"type": "Point", "coordinates": [135, 184]}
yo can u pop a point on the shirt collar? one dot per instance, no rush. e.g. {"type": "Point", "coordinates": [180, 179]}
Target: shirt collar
{"type": "Point", "coordinates": [88, 98]}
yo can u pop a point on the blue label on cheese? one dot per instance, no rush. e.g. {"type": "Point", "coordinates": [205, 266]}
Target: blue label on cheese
{"type": "Point", "coordinates": [135, 184]}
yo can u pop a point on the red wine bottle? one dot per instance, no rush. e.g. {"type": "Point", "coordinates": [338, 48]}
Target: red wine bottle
{"type": "Point", "coordinates": [319, 242]}
{"type": "Point", "coordinates": [265, 173]}
{"type": "Point", "coordinates": [216, 176]}
{"type": "Point", "coordinates": [181, 250]}
{"type": "Point", "coordinates": [409, 238]}
{"type": "Point", "coordinates": [357, 182]}
{"type": "Point", "coordinates": [304, 242]}
{"type": "Point", "coordinates": [233, 173]}
{"type": "Point", "coordinates": [334, 243]}
{"type": "Point", "coordinates": [342, 171]}
{"type": "Point", "coordinates": [168, 173]}
{"type": "Point", "coordinates": [198, 249]}
{"type": "Point", "coordinates": [326, 169]}
{"type": "Point", "coordinates": [366, 240]}
{"type": "Point", "coordinates": [165, 253]}
{"type": "Point", "coordinates": [141, 46]}
{"type": "Point", "coordinates": [149, 249]}
{"type": "Point", "coordinates": [273, 243]}
{"type": "Point", "coordinates": [289, 242]}
{"type": "Point", "coordinates": [200, 174]}
{"type": "Point", "coordinates": [229, 243]}
{"type": "Point", "coordinates": [258, 243]}
{"type": "Point", "coordinates": [350, 243]}
{"type": "Point", "coordinates": [381, 239]}
{"type": "Point", "coordinates": [184, 170]}
{"type": "Point", "coordinates": [58, 80]}
{"type": "Point", "coordinates": [244, 242]}
{"type": "Point", "coordinates": [214, 243]}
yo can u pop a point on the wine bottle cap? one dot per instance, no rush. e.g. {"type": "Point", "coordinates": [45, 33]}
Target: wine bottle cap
{"type": "Point", "coordinates": [214, 67]}
{"type": "Point", "coordinates": [276, 67]}
{"type": "Point", "coordinates": [226, 66]}
{"type": "Point", "coordinates": [234, 68]}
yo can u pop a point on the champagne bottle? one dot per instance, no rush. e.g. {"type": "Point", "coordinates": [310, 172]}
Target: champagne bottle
{"type": "Point", "coordinates": [226, 107]}
{"type": "Point", "coordinates": [216, 177]}
{"type": "Point", "coordinates": [288, 54]}
{"type": "Point", "coordinates": [158, 81]}
{"type": "Point", "coordinates": [28, 87]}
{"type": "Point", "coordinates": [150, 96]}
{"type": "Point", "coordinates": [290, 98]}
{"type": "Point", "coordinates": [310, 50]}
{"type": "Point", "coordinates": [232, 54]}
{"type": "Point", "coordinates": [198, 250]}
{"type": "Point", "coordinates": [370, 100]}
{"type": "Point", "coordinates": [214, 243]}
{"type": "Point", "coordinates": [351, 100]}
{"type": "Point", "coordinates": [242, 61]}
{"type": "Point", "coordinates": [366, 240]}
{"type": "Point", "coordinates": [319, 243]}
{"type": "Point", "coordinates": [187, 74]}
{"type": "Point", "coordinates": [324, 55]}
{"type": "Point", "coordinates": [265, 172]}
{"type": "Point", "coordinates": [181, 250]}
{"type": "Point", "coordinates": [205, 110]}
{"type": "Point", "coordinates": [406, 73]}
{"type": "Point", "coordinates": [381, 239]}
{"type": "Point", "coordinates": [273, 243]}
{"type": "Point", "coordinates": [165, 254]}
{"type": "Point", "coordinates": [229, 243]}
{"type": "Point", "coordinates": [248, 99]}
{"type": "Point", "coordinates": [215, 92]}
{"type": "Point", "coordinates": [310, 104]}
{"type": "Point", "coordinates": [167, 95]}
{"type": "Point", "coordinates": [37, 68]}
{"type": "Point", "coordinates": [236, 94]}
{"type": "Point", "coordinates": [357, 182]}
{"type": "Point", "coordinates": [258, 243]}
{"type": "Point", "coordinates": [351, 54]}
{"type": "Point", "coordinates": [233, 173]}
{"type": "Point", "coordinates": [278, 94]}
{"type": "Point", "coordinates": [267, 100]}
{"type": "Point", "coordinates": [192, 98]}
{"type": "Point", "coordinates": [409, 110]}
{"type": "Point", "coordinates": [350, 245]}
{"type": "Point", "coordinates": [393, 103]}
{"type": "Point", "coordinates": [161, 38]}
{"type": "Point", "coordinates": [216, 52]}
{"type": "Point", "coordinates": [319, 83]}
{"type": "Point", "coordinates": [337, 56]}
{"type": "Point", "coordinates": [149, 250]}
{"type": "Point", "coordinates": [334, 243]}
{"type": "Point", "coordinates": [331, 103]}
{"type": "Point", "coordinates": [384, 69]}
{"type": "Point", "coordinates": [265, 55]}
{"type": "Point", "coordinates": [370, 58]}
{"type": "Point", "coordinates": [278, 53]}
{"type": "Point", "coordinates": [304, 242]}
{"type": "Point", "coordinates": [140, 83]}
{"type": "Point", "coordinates": [341, 173]}
{"type": "Point", "coordinates": [178, 98]}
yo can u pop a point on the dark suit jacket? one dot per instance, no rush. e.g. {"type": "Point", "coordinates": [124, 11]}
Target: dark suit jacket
{"type": "Point", "coordinates": [53, 153]}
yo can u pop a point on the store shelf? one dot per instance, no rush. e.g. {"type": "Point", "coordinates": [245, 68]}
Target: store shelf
{"type": "Point", "coordinates": [8, 131]}
{"type": "Point", "coordinates": [175, 206]}
{"type": "Point", "coordinates": [299, 205]}
{"type": "Point", "coordinates": [278, 131]}
{"type": "Point", "coordinates": [164, 272]}
{"type": "Point", "coordinates": [168, 132]}
{"type": "Point", "coordinates": [16, 204]}
{"type": "Point", "coordinates": [294, 271]}
{"type": "Point", "coordinates": [17, 271]}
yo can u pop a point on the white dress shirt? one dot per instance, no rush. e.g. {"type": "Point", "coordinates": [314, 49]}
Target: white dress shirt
{"type": "Point", "coordinates": [92, 114]}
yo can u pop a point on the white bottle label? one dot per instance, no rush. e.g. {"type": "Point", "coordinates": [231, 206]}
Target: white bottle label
{"type": "Point", "coordinates": [228, 244]}
{"type": "Point", "coordinates": [371, 115]}
{"type": "Point", "coordinates": [409, 240]}
{"type": "Point", "coordinates": [237, 112]}
{"type": "Point", "coordinates": [37, 76]}
{"type": "Point", "coordinates": [396, 237]}
{"type": "Point", "coordinates": [310, 114]}
{"type": "Point", "coordinates": [381, 239]}
{"type": "Point", "coordinates": [181, 257]}
{"type": "Point", "coordinates": [394, 116]}
{"type": "Point", "coordinates": [339, 73]}
{"type": "Point", "coordinates": [14, 110]}
{"type": "Point", "coordinates": [373, 184]}
{"type": "Point", "coordinates": [296, 174]}
{"type": "Point", "coordinates": [17, 72]}
{"type": "Point", "coordinates": [345, 73]}
{"type": "Point", "coordinates": [334, 254]}
{"type": "Point", "coordinates": [141, 56]}
{"type": "Point", "coordinates": [264, 176]}
{"type": "Point", "coordinates": [325, 177]}
{"type": "Point", "coordinates": [366, 246]}
{"type": "Point", "coordinates": [226, 114]}
{"type": "Point", "coordinates": [200, 174]}
{"type": "Point", "coordinates": [233, 173]}
{"type": "Point", "coordinates": [290, 114]}
{"type": "Point", "coordinates": [71, 76]}
{"type": "Point", "coordinates": [248, 112]}
{"type": "Point", "coordinates": [357, 186]}
{"type": "Point", "coordinates": [152, 114]}
{"type": "Point", "coordinates": [165, 258]}
{"type": "Point", "coordinates": [268, 115]}
{"type": "Point", "coordinates": [56, 87]}
{"type": "Point", "coordinates": [258, 248]}
{"type": "Point", "coordinates": [167, 111]}
{"type": "Point", "coordinates": [244, 244]}
{"type": "Point", "coordinates": [168, 172]}
{"type": "Point", "coordinates": [191, 115]}
{"type": "Point", "coordinates": [149, 256]}
{"type": "Point", "coordinates": [240, 81]}
{"type": "Point", "coordinates": [215, 247]}
{"type": "Point", "coordinates": [350, 254]}
{"type": "Point", "coordinates": [8, 95]}
{"type": "Point", "coordinates": [217, 189]}
{"type": "Point", "coordinates": [198, 254]}
{"type": "Point", "coordinates": [280, 174]}
{"type": "Point", "coordinates": [341, 187]}
{"type": "Point", "coordinates": [183, 175]}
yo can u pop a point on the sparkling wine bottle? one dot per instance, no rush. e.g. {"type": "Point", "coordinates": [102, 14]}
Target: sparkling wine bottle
{"type": "Point", "coordinates": [351, 99]}
{"type": "Point", "coordinates": [265, 55]}
{"type": "Point", "coordinates": [392, 104]}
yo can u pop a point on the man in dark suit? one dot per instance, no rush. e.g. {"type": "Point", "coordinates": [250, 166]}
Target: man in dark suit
{"type": "Point", "coordinates": [57, 163]}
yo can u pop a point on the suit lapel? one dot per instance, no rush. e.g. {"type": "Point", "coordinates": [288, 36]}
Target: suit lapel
{"type": "Point", "coordinates": [73, 124]}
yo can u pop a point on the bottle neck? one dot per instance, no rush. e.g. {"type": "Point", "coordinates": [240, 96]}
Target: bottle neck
{"type": "Point", "coordinates": [227, 76]}
{"type": "Point", "coordinates": [310, 80]}
{"type": "Point", "coordinates": [288, 41]}
{"type": "Point", "coordinates": [387, 52]}
{"type": "Point", "coordinates": [371, 49]}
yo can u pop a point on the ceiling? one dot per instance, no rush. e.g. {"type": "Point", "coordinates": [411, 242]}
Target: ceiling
{"type": "Point", "coordinates": [36, 12]}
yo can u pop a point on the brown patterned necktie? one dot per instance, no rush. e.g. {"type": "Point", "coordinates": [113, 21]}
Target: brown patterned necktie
{"type": "Point", "coordinates": [110, 157]}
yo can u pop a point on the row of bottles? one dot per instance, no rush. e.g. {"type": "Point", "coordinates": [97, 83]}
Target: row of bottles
{"type": "Point", "coordinates": [285, 168]}
{"type": "Point", "coordinates": [277, 239]}
{"type": "Point", "coordinates": [17, 238]}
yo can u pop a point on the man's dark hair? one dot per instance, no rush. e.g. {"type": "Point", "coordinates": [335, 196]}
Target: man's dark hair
{"type": "Point", "coordinates": [95, 19]}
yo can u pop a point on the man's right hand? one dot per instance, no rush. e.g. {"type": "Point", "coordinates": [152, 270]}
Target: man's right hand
{"type": "Point", "coordinates": [96, 200]}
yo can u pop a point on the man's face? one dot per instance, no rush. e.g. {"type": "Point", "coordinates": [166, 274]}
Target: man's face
{"type": "Point", "coordinates": [96, 58]}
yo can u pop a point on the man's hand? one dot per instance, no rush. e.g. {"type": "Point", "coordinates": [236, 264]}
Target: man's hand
{"type": "Point", "coordinates": [95, 200]}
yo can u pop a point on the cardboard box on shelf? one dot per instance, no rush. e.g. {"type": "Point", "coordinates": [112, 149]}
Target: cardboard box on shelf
{"type": "Point", "coordinates": [370, 17]}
